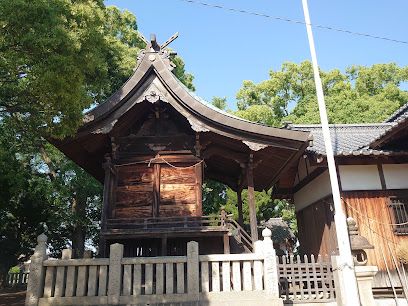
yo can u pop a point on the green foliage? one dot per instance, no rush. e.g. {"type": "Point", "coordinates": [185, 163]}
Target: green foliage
{"type": "Point", "coordinates": [180, 72]}
{"type": "Point", "coordinates": [57, 59]}
{"type": "Point", "coordinates": [14, 269]}
{"type": "Point", "coordinates": [266, 207]}
{"type": "Point", "coordinates": [24, 204]}
{"type": "Point", "coordinates": [37, 197]}
{"type": "Point", "coordinates": [360, 95]}
{"type": "Point", "coordinates": [221, 103]}
{"type": "Point", "coordinates": [260, 114]}
{"type": "Point", "coordinates": [214, 197]}
{"type": "Point", "coordinates": [61, 57]}
{"type": "Point", "coordinates": [51, 55]}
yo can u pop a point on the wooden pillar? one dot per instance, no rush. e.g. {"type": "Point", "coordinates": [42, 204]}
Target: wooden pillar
{"type": "Point", "coordinates": [199, 189]}
{"type": "Point", "coordinates": [251, 200]}
{"type": "Point", "coordinates": [239, 205]}
{"type": "Point", "coordinates": [226, 244]}
{"type": "Point", "coordinates": [164, 246]}
{"type": "Point", "coordinates": [156, 191]}
{"type": "Point", "coordinates": [107, 186]}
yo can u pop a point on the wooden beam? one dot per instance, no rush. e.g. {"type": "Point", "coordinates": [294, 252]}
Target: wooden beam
{"type": "Point", "coordinates": [382, 177]}
{"type": "Point", "coordinates": [251, 200]}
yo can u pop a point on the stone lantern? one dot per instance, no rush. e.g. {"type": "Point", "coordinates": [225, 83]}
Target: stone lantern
{"type": "Point", "coordinates": [358, 243]}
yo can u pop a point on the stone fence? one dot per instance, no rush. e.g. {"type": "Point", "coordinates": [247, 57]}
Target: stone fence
{"type": "Point", "coordinates": [221, 279]}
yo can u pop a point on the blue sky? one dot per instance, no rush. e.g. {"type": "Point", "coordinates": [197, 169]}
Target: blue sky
{"type": "Point", "coordinates": [222, 49]}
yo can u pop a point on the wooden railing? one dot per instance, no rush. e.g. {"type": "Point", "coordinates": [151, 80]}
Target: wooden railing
{"type": "Point", "coordinates": [239, 234]}
{"type": "Point", "coordinates": [171, 223]}
{"type": "Point", "coordinates": [306, 278]}
{"type": "Point", "coordinates": [188, 223]}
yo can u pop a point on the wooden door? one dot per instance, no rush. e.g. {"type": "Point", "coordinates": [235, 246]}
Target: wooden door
{"type": "Point", "coordinates": [180, 191]}
{"type": "Point", "coordinates": [134, 192]}
{"type": "Point", "coordinates": [158, 190]}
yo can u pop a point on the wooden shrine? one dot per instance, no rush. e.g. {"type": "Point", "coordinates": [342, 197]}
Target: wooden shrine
{"type": "Point", "coordinates": [152, 143]}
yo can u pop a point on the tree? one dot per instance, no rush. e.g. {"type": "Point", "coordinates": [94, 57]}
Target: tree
{"type": "Point", "coordinates": [360, 95]}
{"type": "Point", "coordinates": [58, 58]}
{"type": "Point", "coordinates": [61, 57]}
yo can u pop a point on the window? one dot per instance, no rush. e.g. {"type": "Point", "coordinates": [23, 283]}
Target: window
{"type": "Point", "coordinates": [399, 211]}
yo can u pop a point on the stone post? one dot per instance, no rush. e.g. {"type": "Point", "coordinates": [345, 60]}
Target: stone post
{"type": "Point", "coordinates": [365, 275]}
{"type": "Point", "coordinates": [270, 265]}
{"type": "Point", "coordinates": [37, 270]}
{"type": "Point", "coordinates": [193, 271]}
{"type": "Point", "coordinates": [341, 291]}
{"type": "Point", "coordinates": [115, 273]}
{"type": "Point", "coordinates": [258, 247]}
{"type": "Point", "coordinates": [66, 254]}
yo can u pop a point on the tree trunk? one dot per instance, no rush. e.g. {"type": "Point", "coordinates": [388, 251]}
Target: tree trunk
{"type": "Point", "coordinates": [78, 232]}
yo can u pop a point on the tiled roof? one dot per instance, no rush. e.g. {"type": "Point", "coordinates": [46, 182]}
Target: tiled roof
{"type": "Point", "coordinates": [399, 118]}
{"type": "Point", "coordinates": [399, 115]}
{"type": "Point", "coordinates": [347, 139]}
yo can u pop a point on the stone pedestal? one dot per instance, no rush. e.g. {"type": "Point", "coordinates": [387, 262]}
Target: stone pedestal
{"type": "Point", "coordinates": [365, 275]}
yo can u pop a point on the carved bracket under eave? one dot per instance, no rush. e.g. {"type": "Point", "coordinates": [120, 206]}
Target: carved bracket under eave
{"type": "Point", "coordinates": [152, 94]}
{"type": "Point", "coordinates": [106, 128]}
{"type": "Point", "coordinates": [254, 146]}
{"type": "Point", "coordinates": [197, 126]}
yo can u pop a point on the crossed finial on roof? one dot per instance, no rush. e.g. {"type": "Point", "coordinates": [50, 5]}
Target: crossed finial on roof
{"type": "Point", "coordinates": [153, 45]}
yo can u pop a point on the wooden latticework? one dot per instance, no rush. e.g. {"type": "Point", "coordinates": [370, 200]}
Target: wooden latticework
{"type": "Point", "coordinates": [306, 278]}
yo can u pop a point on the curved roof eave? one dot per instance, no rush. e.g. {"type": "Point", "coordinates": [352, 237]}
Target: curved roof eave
{"type": "Point", "coordinates": [212, 118]}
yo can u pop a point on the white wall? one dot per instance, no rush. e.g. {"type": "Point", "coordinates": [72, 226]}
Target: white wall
{"type": "Point", "coordinates": [359, 177]}
{"type": "Point", "coordinates": [396, 176]}
{"type": "Point", "coordinates": [353, 177]}
{"type": "Point", "coordinates": [317, 189]}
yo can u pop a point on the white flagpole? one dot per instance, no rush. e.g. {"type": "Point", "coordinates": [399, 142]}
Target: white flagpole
{"type": "Point", "coordinates": [346, 264]}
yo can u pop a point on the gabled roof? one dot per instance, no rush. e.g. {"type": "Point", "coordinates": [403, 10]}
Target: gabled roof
{"type": "Point", "coordinates": [347, 139]}
{"type": "Point", "coordinates": [399, 115]}
{"type": "Point", "coordinates": [194, 108]}
{"type": "Point", "coordinates": [273, 149]}
{"type": "Point", "coordinates": [396, 136]}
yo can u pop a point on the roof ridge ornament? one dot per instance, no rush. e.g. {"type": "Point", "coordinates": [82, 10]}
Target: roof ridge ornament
{"type": "Point", "coordinates": [153, 47]}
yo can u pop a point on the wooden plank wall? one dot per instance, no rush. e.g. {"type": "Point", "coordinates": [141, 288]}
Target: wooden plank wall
{"type": "Point", "coordinates": [317, 231]}
{"type": "Point", "coordinates": [134, 192]}
{"type": "Point", "coordinates": [365, 207]}
{"type": "Point", "coordinates": [178, 195]}
{"type": "Point", "coordinates": [317, 234]}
